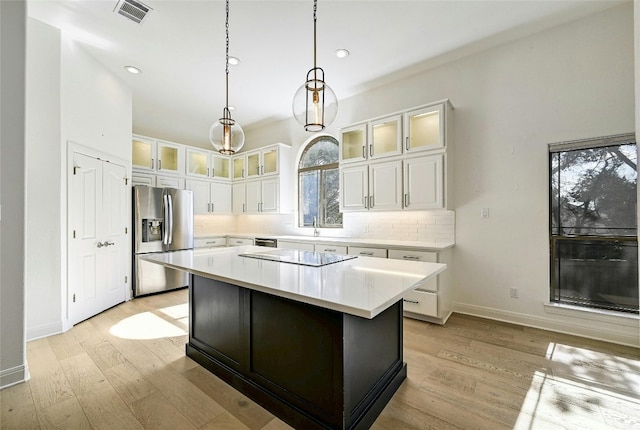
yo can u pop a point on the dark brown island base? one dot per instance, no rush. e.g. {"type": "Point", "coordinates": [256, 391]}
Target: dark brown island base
{"type": "Point", "coordinates": [312, 367]}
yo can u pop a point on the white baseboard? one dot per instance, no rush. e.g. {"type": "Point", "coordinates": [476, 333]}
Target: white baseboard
{"type": "Point", "coordinates": [44, 330]}
{"type": "Point", "coordinates": [624, 331]}
{"type": "Point", "coordinates": [13, 376]}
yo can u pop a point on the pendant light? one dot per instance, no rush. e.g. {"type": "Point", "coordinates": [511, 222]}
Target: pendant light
{"type": "Point", "coordinates": [226, 135]}
{"type": "Point", "coordinates": [315, 104]}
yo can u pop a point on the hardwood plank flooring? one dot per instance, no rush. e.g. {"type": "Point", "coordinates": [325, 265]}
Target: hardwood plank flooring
{"type": "Point", "coordinates": [126, 369]}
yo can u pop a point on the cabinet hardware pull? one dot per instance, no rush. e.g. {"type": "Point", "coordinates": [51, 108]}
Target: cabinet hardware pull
{"type": "Point", "coordinates": [208, 207]}
{"type": "Point", "coordinates": [364, 155]}
{"type": "Point", "coordinates": [371, 150]}
{"type": "Point", "coordinates": [213, 172]}
{"type": "Point", "coordinates": [371, 202]}
{"type": "Point", "coordinates": [243, 207]}
{"type": "Point", "coordinates": [410, 257]}
{"type": "Point", "coordinates": [159, 164]}
{"type": "Point", "coordinates": [411, 301]}
{"type": "Point", "coordinates": [207, 171]}
{"type": "Point", "coordinates": [152, 164]}
{"type": "Point", "coordinates": [406, 142]}
{"type": "Point", "coordinates": [366, 253]}
{"type": "Point", "coordinates": [243, 172]}
{"type": "Point", "coordinates": [329, 250]}
{"type": "Point", "coordinates": [366, 201]}
{"type": "Point", "coordinates": [406, 200]}
{"type": "Point", "coordinates": [212, 207]}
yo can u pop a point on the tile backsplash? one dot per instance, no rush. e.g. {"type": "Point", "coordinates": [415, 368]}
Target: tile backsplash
{"type": "Point", "coordinates": [423, 226]}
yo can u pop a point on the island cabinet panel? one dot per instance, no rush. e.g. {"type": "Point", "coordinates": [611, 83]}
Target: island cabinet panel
{"type": "Point", "coordinates": [312, 367]}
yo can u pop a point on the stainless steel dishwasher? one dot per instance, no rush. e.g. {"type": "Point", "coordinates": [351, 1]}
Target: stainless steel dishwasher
{"type": "Point", "coordinates": [269, 243]}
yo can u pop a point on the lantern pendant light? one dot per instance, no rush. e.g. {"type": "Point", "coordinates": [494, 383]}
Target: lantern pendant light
{"type": "Point", "coordinates": [315, 104]}
{"type": "Point", "coordinates": [226, 135]}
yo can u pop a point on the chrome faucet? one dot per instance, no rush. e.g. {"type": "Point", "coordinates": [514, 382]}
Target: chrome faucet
{"type": "Point", "coordinates": [316, 233]}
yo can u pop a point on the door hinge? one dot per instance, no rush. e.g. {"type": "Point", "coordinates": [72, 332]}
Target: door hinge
{"type": "Point", "coordinates": [74, 234]}
{"type": "Point", "coordinates": [74, 298]}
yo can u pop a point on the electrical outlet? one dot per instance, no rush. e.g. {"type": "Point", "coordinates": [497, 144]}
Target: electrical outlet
{"type": "Point", "coordinates": [513, 293]}
{"type": "Point", "coordinates": [484, 213]}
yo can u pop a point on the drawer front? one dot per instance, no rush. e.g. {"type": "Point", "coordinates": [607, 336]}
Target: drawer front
{"type": "Point", "coordinates": [367, 252]}
{"type": "Point", "coordinates": [209, 242]}
{"type": "Point", "coordinates": [300, 246]}
{"type": "Point", "coordinates": [399, 254]}
{"type": "Point", "coordinates": [336, 249]}
{"type": "Point", "coordinates": [239, 241]}
{"type": "Point", "coordinates": [421, 302]}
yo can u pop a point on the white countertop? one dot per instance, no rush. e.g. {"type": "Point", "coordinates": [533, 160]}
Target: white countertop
{"type": "Point", "coordinates": [349, 241]}
{"type": "Point", "coordinates": [363, 286]}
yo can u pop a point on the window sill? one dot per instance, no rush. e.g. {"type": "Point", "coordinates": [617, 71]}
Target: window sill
{"type": "Point", "coordinates": [599, 315]}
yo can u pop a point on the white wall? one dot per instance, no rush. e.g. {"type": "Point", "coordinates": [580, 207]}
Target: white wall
{"type": "Point", "coordinates": [570, 82]}
{"type": "Point", "coordinates": [43, 185]}
{"type": "Point", "coordinates": [88, 106]}
{"type": "Point", "coordinates": [12, 148]}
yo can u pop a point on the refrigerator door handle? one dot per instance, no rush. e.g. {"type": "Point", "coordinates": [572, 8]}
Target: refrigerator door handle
{"type": "Point", "coordinates": [165, 227]}
{"type": "Point", "coordinates": [170, 238]}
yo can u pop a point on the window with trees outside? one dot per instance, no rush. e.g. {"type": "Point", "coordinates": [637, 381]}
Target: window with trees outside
{"type": "Point", "coordinates": [319, 184]}
{"type": "Point", "coordinates": [593, 223]}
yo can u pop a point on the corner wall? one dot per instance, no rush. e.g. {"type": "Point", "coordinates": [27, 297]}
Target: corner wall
{"type": "Point", "coordinates": [12, 152]}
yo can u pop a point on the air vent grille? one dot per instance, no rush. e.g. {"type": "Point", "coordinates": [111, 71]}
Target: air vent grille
{"type": "Point", "coordinates": [133, 10]}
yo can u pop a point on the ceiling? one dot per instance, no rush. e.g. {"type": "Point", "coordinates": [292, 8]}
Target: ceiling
{"type": "Point", "coordinates": [180, 48]}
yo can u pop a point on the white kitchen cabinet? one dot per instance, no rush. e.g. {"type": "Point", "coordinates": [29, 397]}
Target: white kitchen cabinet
{"type": "Point", "coordinates": [238, 163]}
{"type": "Point", "coordinates": [264, 161]}
{"type": "Point", "coordinates": [367, 252]}
{"type": "Point", "coordinates": [425, 128]}
{"type": "Point", "coordinates": [239, 241]}
{"type": "Point", "coordinates": [300, 246]}
{"type": "Point", "coordinates": [336, 249]}
{"type": "Point", "coordinates": [208, 164]}
{"type": "Point", "coordinates": [158, 156]}
{"type": "Point", "coordinates": [385, 137]}
{"type": "Point", "coordinates": [353, 143]}
{"type": "Point", "coordinates": [423, 182]}
{"type": "Point", "coordinates": [431, 301]}
{"type": "Point", "coordinates": [151, 180]}
{"type": "Point", "coordinates": [209, 242]}
{"type": "Point", "coordinates": [239, 198]}
{"type": "Point", "coordinates": [210, 197]}
{"type": "Point", "coordinates": [263, 196]}
{"type": "Point", "coordinates": [376, 186]}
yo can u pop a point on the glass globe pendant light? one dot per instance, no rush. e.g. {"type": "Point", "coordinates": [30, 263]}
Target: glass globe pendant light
{"type": "Point", "coordinates": [315, 104]}
{"type": "Point", "coordinates": [226, 135]}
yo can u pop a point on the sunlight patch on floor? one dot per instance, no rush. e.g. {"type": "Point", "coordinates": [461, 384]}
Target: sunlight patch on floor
{"type": "Point", "coordinates": [146, 325]}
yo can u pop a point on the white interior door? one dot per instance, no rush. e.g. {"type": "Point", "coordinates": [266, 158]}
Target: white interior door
{"type": "Point", "coordinates": [97, 246]}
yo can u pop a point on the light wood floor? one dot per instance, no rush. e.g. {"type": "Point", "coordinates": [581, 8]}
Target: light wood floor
{"type": "Point", "coordinates": [126, 369]}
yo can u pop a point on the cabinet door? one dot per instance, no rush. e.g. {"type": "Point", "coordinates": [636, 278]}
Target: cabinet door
{"type": "Point", "coordinates": [220, 197]}
{"type": "Point", "coordinates": [220, 166]}
{"type": "Point", "coordinates": [385, 186]}
{"type": "Point", "coordinates": [353, 143]}
{"type": "Point", "coordinates": [424, 182]}
{"type": "Point", "coordinates": [238, 167]}
{"type": "Point", "coordinates": [270, 161]}
{"type": "Point", "coordinates": [254, 196]}
{"type": "Point", "coordinates": [143, 153]}
{"type": "Point", "coordinates": [147, 179]}
{"type": "Point", "coordinates": [270, 196]}
{"type": "Point", "coordinates": [170, 182]}
{"type": "Point", "coordinates": [424, 129]}
{"type": "Point", "coordinates": [201, 195]}
{"type": "Point", "coordinates": [353, 188]}
{"type": "Point", "coordinates": [385, 137]}
{"type": "Point", "coordinates": [197, 163]}
{"type": "Point", "coordinates": [170, 158]}
{"type": "Point", "coordinates": [253, 164]}
{"type": "Point", "coordinates": [239, 198]}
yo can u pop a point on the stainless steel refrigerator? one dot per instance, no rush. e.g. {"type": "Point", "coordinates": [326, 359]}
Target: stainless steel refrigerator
{"type": "Point", "coordinates": [162, 222]}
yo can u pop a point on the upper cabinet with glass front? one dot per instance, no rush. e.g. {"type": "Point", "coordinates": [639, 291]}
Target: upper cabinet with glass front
{"type": "Point", "coordinates": [425, 128]}
{"type": "Point", "coordinates": [156, 155]}
{"type": "Point", "coordinates": [385, 137]}
{"type": "Point", "coordinates": [353, 143]}
{"type": "Point", "coordinates": [208, 164]}
{"type": "Point", "coordinates": [261, 162]}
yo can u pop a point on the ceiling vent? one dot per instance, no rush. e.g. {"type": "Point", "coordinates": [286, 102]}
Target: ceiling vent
{"type": "Point", "coordinates": [133, 10]}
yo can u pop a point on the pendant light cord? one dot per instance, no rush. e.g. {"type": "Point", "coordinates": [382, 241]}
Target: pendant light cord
{"type": "Point", "coordinates": [315, 9]}
{"type": "Point", "coordinates": [226, 106]}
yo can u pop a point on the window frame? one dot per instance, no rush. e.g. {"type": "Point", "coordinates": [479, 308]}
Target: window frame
{"type": "Point", "coordinates": [321, 169]}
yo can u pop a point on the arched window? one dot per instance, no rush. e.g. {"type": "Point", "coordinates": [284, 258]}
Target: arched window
{"type": "Point", "coordinates": [319, 184]}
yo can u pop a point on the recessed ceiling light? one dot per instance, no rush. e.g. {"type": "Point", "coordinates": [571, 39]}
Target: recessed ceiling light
{"type": "Point", "coordinates": [234, 61]}
{"type": "Point", "coordinates": [341, 53]}
{"type": "Point", "coordinates": [132, 69]}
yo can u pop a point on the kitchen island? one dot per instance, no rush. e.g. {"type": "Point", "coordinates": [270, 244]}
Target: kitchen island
{"type": "Point", "coordinates": [320, 347]}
